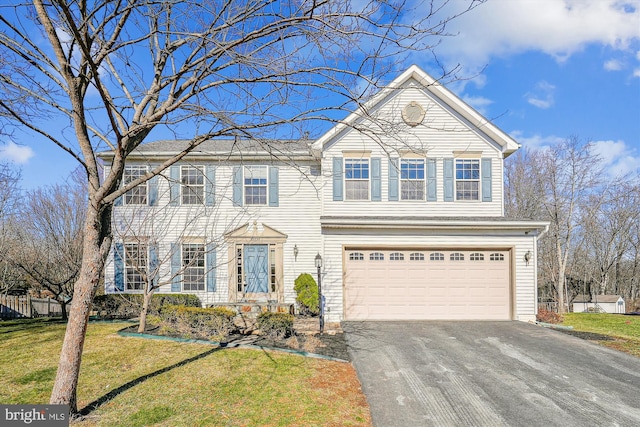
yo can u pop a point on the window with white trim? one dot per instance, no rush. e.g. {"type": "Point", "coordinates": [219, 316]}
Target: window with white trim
{"type": "Point", "coordinates": [467, 179]}
{"type": "Point", "coordinates": [456, 256]}
{"type": "Point", "coordinates": [476, 256]}
{"type": "Point", "coordinates": [356, 179]}
{"type": "Point", "coordinates": [436, 256]}
{"type": "Point", "coordinates": [137, 195]}
{"type": "Point", "coordinates": [416, 256]}
{"type": "Point", "coordinates": [412, 181]}
{"type": "Point", "coordinates": [496, 256]}
{"type": "Point", "coordinates": [136, 263]}
{"type": "Point", "coordinates": [255, 185]}
{"type": "Point", "coordinates": [192, 179]}
{"type": "Point", "coordinates": [376, 256]}
{"type": "Point", "coordinates": [193, 267]}
{"type": "Point", "coordinates": [396, 256]}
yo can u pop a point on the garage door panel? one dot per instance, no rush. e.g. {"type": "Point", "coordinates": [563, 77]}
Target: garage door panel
{"type": "Point", "coordinates": [385, 289]}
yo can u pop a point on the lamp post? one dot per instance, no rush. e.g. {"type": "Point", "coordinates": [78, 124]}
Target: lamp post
{"type": "Point", "coordinates": [320, 296]}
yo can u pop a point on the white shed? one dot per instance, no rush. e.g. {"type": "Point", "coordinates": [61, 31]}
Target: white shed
{"type": "Point", "coordinates": [599, 304]}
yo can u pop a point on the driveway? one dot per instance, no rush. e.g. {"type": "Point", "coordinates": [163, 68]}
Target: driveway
{"type": "Point", "coordinates": [490, 374]}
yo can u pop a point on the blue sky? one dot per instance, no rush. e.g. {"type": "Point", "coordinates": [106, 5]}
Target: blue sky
{"type": "Point", "coordinates": [545, 70]}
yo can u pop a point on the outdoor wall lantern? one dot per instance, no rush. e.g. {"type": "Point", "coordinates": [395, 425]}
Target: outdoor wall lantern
{"type": "Point", "coordinates": [295, 252]}
{"type": "Point", "coordinates": [318, 260]}
{"type": "Point", "coordinates": [527, 257]}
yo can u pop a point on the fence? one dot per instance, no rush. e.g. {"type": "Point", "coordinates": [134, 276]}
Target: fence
{"type": "Point", "coordinates": [15, 306]}
{"type": "Point", "coordinates": [12, 307]}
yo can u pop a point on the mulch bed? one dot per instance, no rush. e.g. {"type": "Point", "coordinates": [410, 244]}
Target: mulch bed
{"type": "Point", "coordinates": [333, 345]}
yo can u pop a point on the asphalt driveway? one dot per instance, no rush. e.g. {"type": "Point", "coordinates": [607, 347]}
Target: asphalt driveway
{"type": "Point", "coordinates": [490, 374]}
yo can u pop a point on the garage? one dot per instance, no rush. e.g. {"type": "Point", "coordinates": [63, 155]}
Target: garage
{"type": "Point", "coordinates": [427, 284]}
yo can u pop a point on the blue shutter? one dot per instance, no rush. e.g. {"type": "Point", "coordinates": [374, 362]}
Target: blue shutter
{"type": "Point", "coordinates": [211, 267]}
{"type": "Point", "coordinates": [174, 185]}
{"type": "Point", "coordinates": [448, 180]}
{"type": "Point", "coordinates": [393, 179]}
{"type": "Point", "coordinates": [273, 186]}
{"type": "Point", "coordinates": [175, 267]}
{"type": "Point", "coordinates": [153, 191]}
{"type": "Point", "coordinates": [209, 185]}
{"type": "Point", "coordinates": [118, 267]}
{"type": "Point", "coordinates": [237, 185]}
{"type": "Point", "coordinates": [153, 265]}
{"type": "Point", "coordinates": [486, 180]}
{"type": "Point", "coordinates": [376, 179]}
{"type": "Point", "coordinates": [431, 180]}
{"type": "Point", "coordinates": [337, 179]}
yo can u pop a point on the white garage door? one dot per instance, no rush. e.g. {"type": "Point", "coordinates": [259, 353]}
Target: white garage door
{"type": "Point", "coordinates": [427, 284]}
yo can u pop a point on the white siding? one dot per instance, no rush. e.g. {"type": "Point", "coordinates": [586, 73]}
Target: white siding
{"type": "Point", "coordinates": [441, 134]}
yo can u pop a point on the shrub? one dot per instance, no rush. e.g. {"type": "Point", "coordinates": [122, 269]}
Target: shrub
{"type": "Point", "coordinates": [307, 294]}
{"type": "Point", "coordinates": [546, 316]}
{"type": "Point", "coordinates": [125, 306]}
{"type": "Point", "coordinates": [194, 322]}
{"type": "Point", "coordinates": [275, 325]}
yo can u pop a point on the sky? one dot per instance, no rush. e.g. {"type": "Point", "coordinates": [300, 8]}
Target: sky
{"type": "Point", "coordinates": [541, 70]}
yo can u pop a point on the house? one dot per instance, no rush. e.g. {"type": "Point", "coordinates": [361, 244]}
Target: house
{"type": "Point", "coordinates": [599, 304]}
{"type": "Point", "coordinates": [403, 200]}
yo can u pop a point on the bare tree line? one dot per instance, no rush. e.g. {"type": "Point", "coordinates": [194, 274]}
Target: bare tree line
{"type": "Point", "coordinates": [593, 242]}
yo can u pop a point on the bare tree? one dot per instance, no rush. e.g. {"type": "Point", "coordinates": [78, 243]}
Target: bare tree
{"type": "Point", "coordinates": [10, 276]}
{"type": "Point", "coordinates": [50, 235]}
{"type": "Point", "coordinates": [115, 71]}
{"type": "Point", "coordinates": [524, 191]}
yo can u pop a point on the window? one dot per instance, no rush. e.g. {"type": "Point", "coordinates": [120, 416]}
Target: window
{"type": "Point", "coordinates": [135, 259]}
{"type": "Point", "coordinates": [456, 256]}
{"type": "Point", "coordinates": [356, 179]}
{"type": "Point", "coordinates": [412, 179]}
{"type": "Point", "coordinates": [476, 256]}
{"type": "Point", "coordinates": [416, 256]}
{"type": "Point", "coordinates": [315, 170]}
{"type": "Point", "coordinates": [255, 185]}
{"type": "Point", "coordinates": [376, 256]}
{"type": "Point", "coordinates": [137, 195]}
{"type": "Point", "coordinates": [239, 271]}
{"type": "Point", "coordinates": [396, 256]}
{"type": "Point", "coordinates": [193, 267]}
{"type": "Point", "coordinates": [496, 257]}
{"type": "Point", "coordinates": [192, 179]}
{"type": "Point", "coordinates": [436, 256]}
{"type": "Point", "coordinates": [356, 256]}
{"type": "Point", "coordinates": [272, 267]}
{"type": "Point", "coordinates": [467, 179]}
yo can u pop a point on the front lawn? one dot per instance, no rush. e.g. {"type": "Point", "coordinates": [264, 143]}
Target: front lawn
{"type": "Point", "coordinates": [139, 382]}
{"type": "Point", "coordinates": [625, 329]}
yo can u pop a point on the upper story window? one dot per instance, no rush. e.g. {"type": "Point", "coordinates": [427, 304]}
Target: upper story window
{"type": "Point", "coordinates": [356, 179]}
{"type": "Point", "coordinates": [255, 185]}
{"type": "Point", "coordinates": [192, 179]}
{"type": "Point", "coordinates": [193, 267]}
{"type": "Point", "coordinates": [135, 262]}
{"type": "Point", "coordinates": [467, 179]}
{"type": "Point", "coordinates": [412, 179]}
{"type": "Point", "coordinates": [137, 195]}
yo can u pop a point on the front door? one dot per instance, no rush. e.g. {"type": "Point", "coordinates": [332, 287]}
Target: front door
{"type": "Point", "coordinates": [256, 267]}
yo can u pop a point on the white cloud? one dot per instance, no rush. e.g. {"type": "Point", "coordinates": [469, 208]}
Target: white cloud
{"type": "Point", "coordinates": [613, 65]}
{"type": "Point", "coordinates": [480, 103]}
{"type": "Point", "coordinates": [13, 152]}
{"type": "Point", "coordinates": [636, 72]}
{"type": "Point", "coordinates": [558, 28]}
{"type": "Point", "coordinates": [542, 95]}
{"type": "Point", "coordinates": [536, 142]}
{"type": "Point", "coordinates": [617, 158]}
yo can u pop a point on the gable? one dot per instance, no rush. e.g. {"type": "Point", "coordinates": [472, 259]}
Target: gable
{"type": "Point", "coordinates": [416, 113]}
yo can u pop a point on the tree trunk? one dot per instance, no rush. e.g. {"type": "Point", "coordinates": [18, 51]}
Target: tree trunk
{"type": "Point", "coordinates": [63, 307]}
{"type": "Point", "coordinates": [96, 237]}
{"type": "Point", "coordinates": [143, 314]}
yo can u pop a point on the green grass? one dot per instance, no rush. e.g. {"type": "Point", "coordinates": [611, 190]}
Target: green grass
{"type": "Point", "coordinates": [138, 382]}
{"type": "Point", "coordinates": [626, 329]}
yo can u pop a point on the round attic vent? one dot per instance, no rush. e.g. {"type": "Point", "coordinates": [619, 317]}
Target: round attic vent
{"type": "Point", "coordinates": [413, 114]}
